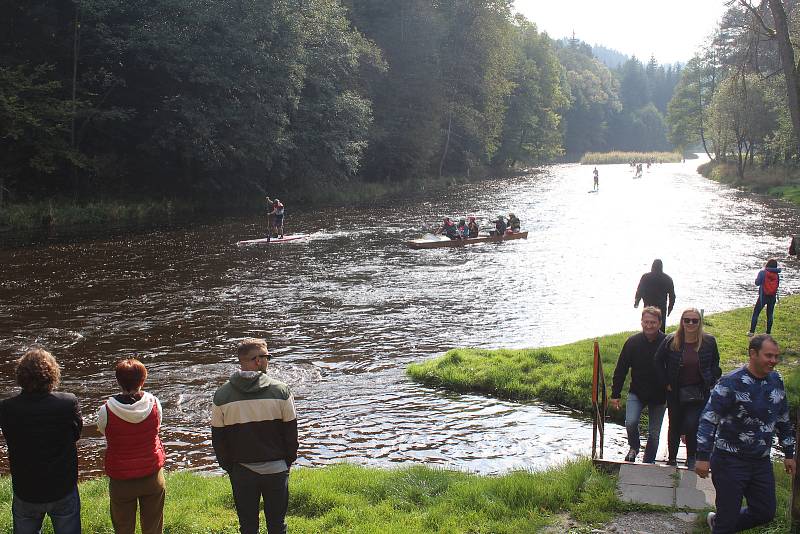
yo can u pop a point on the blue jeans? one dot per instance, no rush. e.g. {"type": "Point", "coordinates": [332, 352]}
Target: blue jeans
{"type": "Point", "coordinates": [633, 413]}
{"type": "Point", "coordinates": [248, 488]}
{"type": "Point", "coordinates": [735, 477]}
{"type": "Point", "coordinates": [769, 302]}
{"type": "Point", "coordinates": [64, 513]}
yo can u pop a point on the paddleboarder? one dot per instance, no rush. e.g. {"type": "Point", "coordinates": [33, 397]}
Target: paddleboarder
{"type": "Point", "coordinates": [596, 174]}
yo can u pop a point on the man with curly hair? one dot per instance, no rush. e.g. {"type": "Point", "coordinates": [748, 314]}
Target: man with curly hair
{"type": "Point", "coordinates": [41, 427]}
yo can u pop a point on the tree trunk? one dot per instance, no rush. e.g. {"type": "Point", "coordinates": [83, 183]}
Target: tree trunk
{"type": "Point", "coordinates": [2, 190]}
{"type": "Point", "coordinates": [789, 66]}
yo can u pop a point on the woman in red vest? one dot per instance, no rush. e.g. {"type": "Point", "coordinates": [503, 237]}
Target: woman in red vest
{"type": "Point", "coordinates": [134, 452]}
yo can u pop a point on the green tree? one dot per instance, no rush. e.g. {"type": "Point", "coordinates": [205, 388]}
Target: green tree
{"type": "Point", "coordinates": [531, 131]}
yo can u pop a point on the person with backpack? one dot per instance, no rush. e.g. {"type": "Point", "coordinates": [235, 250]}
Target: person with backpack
{"type": "Point", "coordinates": [767, 280]}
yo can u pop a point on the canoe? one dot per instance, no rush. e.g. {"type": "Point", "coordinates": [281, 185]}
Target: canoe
{"type": "Point", "coordinates": [273, 241]}
{"type": "Point", "coordinates": [443, 242]}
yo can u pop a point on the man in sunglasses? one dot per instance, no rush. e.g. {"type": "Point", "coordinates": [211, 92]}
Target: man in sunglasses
{"type": "Point", "coordinates": [737, 428]}
{"type": "Point", "coordinates": [254, 434]}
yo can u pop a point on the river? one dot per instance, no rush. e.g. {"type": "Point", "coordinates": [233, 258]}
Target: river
{"type": "Point", "coordinates": [347, 309]}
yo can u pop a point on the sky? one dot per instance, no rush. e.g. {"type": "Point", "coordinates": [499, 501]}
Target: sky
{"type": "Point", "coordinates": [671, 30]}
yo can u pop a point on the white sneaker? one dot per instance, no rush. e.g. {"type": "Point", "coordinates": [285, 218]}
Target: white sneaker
{"type": "Point", "coordinates": [631, 457]}
{"type": "Point", "coordinates": [711, 518]}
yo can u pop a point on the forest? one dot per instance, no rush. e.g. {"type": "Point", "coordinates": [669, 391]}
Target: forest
{"type": "Point", "coordinates": [202, 99]}
{"type": "Point", "coordinates": [738, 97]}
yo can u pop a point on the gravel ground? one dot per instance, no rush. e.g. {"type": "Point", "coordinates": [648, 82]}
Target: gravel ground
{"type": "Point", "coordinates": [634, 523]}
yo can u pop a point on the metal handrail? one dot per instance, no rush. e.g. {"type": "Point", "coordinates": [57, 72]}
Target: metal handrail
{"type": "Point", "coordinates": [599, 404]}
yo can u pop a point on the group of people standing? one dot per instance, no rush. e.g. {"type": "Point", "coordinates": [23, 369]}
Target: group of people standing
{"type": "Point", "coordinates": [254, 435]}
{"type": "Point", "coordinates": [468, 228]}
{"type": "Point", "coordinates": [728, 422]}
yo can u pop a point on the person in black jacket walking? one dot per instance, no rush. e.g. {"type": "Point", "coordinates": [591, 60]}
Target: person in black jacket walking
{"type": "Point", "coordinates": [41, 427]}
{"type": "Point", "coordinates": [656, 289]}
{"type": "Point", "coordinates": [687, 363]}
{"type": "Point", "coordinates": [646, 389]}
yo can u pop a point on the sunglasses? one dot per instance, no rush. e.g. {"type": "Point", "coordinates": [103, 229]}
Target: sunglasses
{"type": "Point", "coordinates": [257, 356]}
{"type": "Point", "coordinates": [690, 320]}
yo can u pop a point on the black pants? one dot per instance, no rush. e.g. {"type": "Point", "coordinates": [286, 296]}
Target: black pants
{"type": "Point", "coordinates": [735, 477]}
{"type": "Point", "coordinates": [248, 488]}
{"type": "Point", "coordinates": [683, 420]}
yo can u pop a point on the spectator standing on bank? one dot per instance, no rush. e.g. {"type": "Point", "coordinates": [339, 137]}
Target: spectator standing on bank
{"type": "Point", "coordinates": [736, 431]}
{"type": "Point", "coordinates": [134, 458]}
{"type": "Point", "coordinates": [254, 433]}
{"type": "Point", "coordinates": [767, 280]}
{"type": "Point", "coordinates": [41, 427]}
{"type": "Point", "coordinates": [656, 289]}
{"type": "Point", "coordinates": [645, 390]}
{"type": "Point", "coordinates": [687, 363]}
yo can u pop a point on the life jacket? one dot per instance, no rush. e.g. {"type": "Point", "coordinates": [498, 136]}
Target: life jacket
{"type": "Point", "coordinates": [278, 209]}
{"type": "Point", "coordinates": [770, 286]}
{"type": "Point", "coordinates": [133, 450]}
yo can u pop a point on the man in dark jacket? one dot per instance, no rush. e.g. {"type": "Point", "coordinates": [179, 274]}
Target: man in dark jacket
{"type": "Point", "coordinates": [254, 434]}
{"type": "Point", "coordinates": [646, 389]}
{"type": "Point", "coordinates": [656, 289]}
{"type": "Point", "coordinates": [41, 427]}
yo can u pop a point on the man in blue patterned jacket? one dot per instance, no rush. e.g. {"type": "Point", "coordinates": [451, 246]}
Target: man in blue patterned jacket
{"type": "Point", "coordinates": [739, 421]}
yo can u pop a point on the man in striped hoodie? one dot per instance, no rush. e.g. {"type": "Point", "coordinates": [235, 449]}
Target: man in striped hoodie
{"type": "Point", "coordinates": [254, 434]}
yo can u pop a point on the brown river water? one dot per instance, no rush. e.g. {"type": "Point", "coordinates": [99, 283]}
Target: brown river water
{"type": "Point", "coordinates": [347, 309]}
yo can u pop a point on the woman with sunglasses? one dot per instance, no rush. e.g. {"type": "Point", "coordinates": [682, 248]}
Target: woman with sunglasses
{"type": "Point", "coordinates": [687, 362]}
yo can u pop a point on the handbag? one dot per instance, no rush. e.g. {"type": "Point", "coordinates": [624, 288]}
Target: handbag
{"type": "Point", "coordinates": [691, 394]}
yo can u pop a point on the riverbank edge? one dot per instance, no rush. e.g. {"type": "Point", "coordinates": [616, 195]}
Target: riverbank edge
{"type": "Point", "coordinates": [65, 213]}
{"type": "Point", "coordinates": [562, 375]}
{"type": "Point", "coordinates": [776, 181]}
{"type": "Point", "coordinates": [618, 156]}
{"type": "Point", "coordinates": [350, 498]}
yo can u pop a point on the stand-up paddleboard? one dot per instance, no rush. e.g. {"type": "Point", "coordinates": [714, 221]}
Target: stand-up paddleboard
{"type": "Point", "coordinates": [273, 241]}
{"type": "Point", "coordinates": [594, 191]}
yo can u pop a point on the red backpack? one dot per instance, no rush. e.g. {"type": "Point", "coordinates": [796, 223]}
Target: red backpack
{"type": "Point", "coordinates": [770, 283]}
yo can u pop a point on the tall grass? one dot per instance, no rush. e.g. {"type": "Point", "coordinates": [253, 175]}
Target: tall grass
{"type": "Point", "coordinates": [348, 498]}
{"type": "Point", "coordinates": [61, 213]}
{"type": "Point", "coordinates": [603, 158]}
{"type": "Point", "coordinates": [563, 374]}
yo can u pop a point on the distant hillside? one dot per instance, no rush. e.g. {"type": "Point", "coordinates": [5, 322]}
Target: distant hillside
{"type": "Point", "coordinates": [610, 57]}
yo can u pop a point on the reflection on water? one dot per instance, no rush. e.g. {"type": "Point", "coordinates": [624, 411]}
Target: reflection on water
{"type": "Point", "coordinates": [346, 310]}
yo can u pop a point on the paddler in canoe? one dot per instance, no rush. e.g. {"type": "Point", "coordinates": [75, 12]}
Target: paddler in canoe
{"type": "Point", "coordinates": [473, 227]}
{"type": "Point", "coordinates": [449, 229]}
{"type": "Point", "coordinates": [513, 225]}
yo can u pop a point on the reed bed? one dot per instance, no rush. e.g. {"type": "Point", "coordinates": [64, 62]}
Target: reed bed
{"type": "Point", "coordinates": [605, 158]}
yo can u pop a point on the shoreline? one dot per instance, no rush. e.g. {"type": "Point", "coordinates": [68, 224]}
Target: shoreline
{"type": "Point", "coordinates": [60, 214]}
{"type": "Point", "coordinates": [777, 181]}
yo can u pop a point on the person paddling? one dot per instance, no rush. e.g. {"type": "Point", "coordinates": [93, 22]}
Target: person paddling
{"type": "Point", "coordinates": [449, 229]}
{"type": "Point", "coordinates": [277, 212]}
{"type": "Point", "coordinates": [473, 227]}
{"type": "Point", "coordinates": [596, 176]}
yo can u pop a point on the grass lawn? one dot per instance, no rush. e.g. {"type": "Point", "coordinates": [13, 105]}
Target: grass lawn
{"type": "Point", "coordinates": [346, 498]}
{"type": "Point", "coordinates": [563, 374]}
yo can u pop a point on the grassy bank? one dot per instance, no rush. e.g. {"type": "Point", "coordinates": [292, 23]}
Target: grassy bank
{"type": "Point", "coordinates": [27, 216]}
{"type": "Point", "coordinates": [603, 158]}
{"type": "Point", "coordinates": [782, 182]}
{"type": "Point", "coordinates": [347, 498]}
{"type": "Point", "coordinates": [563, 374]}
